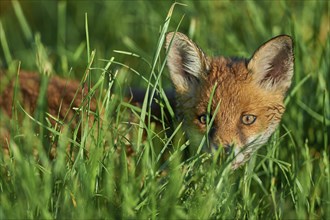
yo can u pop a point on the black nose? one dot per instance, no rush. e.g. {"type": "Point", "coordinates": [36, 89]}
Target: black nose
{"type": "Point", "coordinates": [228, 148]}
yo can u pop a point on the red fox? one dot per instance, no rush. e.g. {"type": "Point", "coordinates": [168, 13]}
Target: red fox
{"type": "Point", "coordinates": [238, 103]}
{"type": "Point", "coordinates": [235, 103]}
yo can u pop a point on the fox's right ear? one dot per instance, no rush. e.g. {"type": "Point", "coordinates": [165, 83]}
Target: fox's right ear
{"type": "Point", "coordinates": [186, 62]}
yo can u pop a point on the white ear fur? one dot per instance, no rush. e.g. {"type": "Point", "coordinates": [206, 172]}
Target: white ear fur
{"type": "Point", "coordinates": [272, 64]}
{"type": "Point", "coordinates": [186, 62]}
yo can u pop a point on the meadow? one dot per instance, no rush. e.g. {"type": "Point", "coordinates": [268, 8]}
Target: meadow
{"type": "Point", "coordinates": [116, 44]}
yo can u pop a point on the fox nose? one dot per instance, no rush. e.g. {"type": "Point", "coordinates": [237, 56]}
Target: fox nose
{"type": "Point", "coordinates": [228, 148]}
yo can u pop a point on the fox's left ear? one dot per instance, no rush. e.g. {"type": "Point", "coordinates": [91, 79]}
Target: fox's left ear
{"type": "Point", "coordinates": [272, 64]}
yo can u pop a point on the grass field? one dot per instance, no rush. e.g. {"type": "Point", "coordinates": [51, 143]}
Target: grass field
{"type": "Point", "coordinates": [120, 43]}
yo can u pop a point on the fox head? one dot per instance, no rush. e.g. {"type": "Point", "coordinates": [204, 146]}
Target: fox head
{"type": "Point", "coordinates": [236, 103]}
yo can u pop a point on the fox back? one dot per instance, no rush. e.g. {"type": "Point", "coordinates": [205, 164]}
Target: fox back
{"type": "Point", "coordinates": [234, 103]}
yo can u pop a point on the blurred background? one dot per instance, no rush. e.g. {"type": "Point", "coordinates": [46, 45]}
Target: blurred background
{"type": "Point", "coordinates": [220, 27]}
{"type": "Point", "coordinates": [230, 28]}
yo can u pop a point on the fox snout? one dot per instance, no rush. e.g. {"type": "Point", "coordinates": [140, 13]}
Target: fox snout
{"type": "Point", "coordinates": [228, 148]}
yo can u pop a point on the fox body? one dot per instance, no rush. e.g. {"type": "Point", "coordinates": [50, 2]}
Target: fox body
{"type": "Point", "coordinates": [62, 95]}
{"type": "Point", "coordinates": [234, 103]}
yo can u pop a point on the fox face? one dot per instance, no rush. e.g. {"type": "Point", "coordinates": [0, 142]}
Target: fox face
{"type": "Point", "coordinates": [235, 103]}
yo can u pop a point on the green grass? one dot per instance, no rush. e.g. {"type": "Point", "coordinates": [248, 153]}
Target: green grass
{"type": "Point", "coordinates": [113, 44]}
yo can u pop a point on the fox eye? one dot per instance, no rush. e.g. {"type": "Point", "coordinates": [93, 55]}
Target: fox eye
{"type": "Point", "coordinates": [248, 119]}
{"type": "Point", "coordinates": [202, 119]}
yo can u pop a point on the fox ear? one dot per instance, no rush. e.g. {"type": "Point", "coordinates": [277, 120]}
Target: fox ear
{"type": "Point", "coordinates": [272, 64]}
{"type": "Point", "coordinates": [186, 62]}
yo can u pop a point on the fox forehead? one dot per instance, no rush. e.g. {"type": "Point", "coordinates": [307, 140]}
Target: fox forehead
{"type": "Point", "coordinates": [235, 88]}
